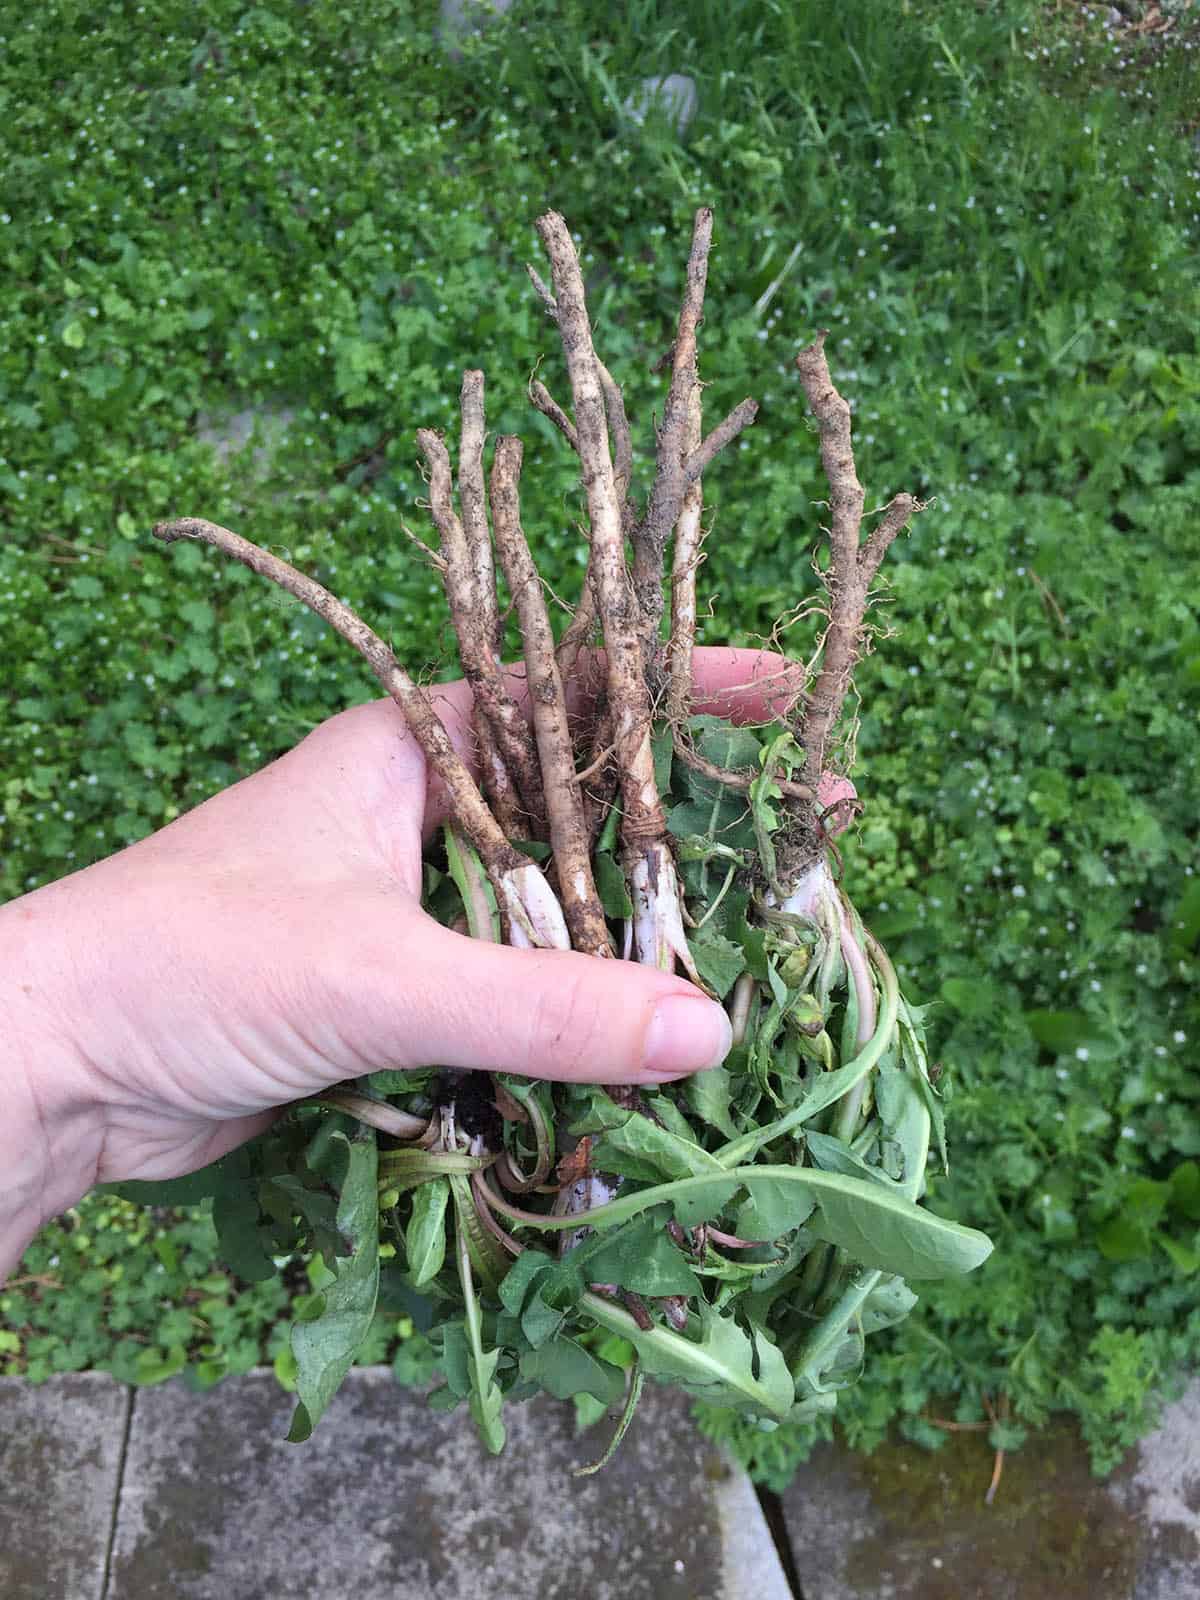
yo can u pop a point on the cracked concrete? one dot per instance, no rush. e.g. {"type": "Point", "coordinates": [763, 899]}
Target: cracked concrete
{"type": "Point", "coordinates": [60, 1463]}
{"type": "Point", "coordinates": [110, 1495]}
{"type": "Point", "coordinates": [388, 1499]}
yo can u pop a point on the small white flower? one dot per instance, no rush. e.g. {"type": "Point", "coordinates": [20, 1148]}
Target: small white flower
{"type": "Point", "coordinates": [1082, 1053]}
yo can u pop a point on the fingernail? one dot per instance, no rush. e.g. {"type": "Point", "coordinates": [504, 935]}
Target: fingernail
{"type": "Point", "coordinates": [685, 1035]}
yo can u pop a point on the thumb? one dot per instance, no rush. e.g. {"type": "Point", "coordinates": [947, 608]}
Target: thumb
{"type": "Point", "coordinates": [550, 1014]}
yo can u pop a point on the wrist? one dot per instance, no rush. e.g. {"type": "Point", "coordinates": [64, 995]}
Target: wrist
{"type": "Point", "coordinates": [51, 1128]}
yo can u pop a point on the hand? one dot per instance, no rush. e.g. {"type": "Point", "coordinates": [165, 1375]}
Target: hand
{"type": "Point", "coordinates": [271, 942]}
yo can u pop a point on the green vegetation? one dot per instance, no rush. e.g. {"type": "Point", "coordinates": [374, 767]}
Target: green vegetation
{"type": "Point", "coordinates": [221, 209]}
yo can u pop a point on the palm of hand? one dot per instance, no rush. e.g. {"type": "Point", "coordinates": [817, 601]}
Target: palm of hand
{"type": "Point", "coordinates": [272, 942]}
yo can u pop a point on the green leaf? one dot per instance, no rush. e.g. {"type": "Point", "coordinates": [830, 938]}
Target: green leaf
{"type": "Point", "coordinates": [1184, 1185]}
{"type": "Point", "coordinates": [690, 819]}
{"type": "Point", "coordinates": [533, 848]}
{"type": "Point", "coordinates": [1184, 1258]}
{"type": "Point", "coordinates": [974, 997]}
{"type": "Point", "coordinates": [661, 1151]}
{"type": "Point", "coordinates": [454, 1357]}
{"type": "Point", "coordinates": [1069, 1032]}
{"type": "Point", "coordinates": [564, 1368]}
{"type": "Point", "coordinates": [773, 1208]}
{"type": "Point", "coordinates": [588, 1411]}
{"type": "Point", "coordinates": [425, 1235]}
{"type": "Point", "coordinates": [156, 1366]}
{"type": "Point", "coordinates": [708, 1096]}
{"type": "Point", "coordinates": [889, 1302]}
{"type": "Point", "coordinates": [198, 614]}
{"type": "Point", "coordinates": [539, 1290]}
{"type": "Point", "coordinates": [1124, 1239]}
{"type": "Point", "coordinates": [395, 1080]}
{"type": "Point", "coordinates": [829, 1087]}
{"type": "Point", "coordinates": [471, 880]}
{"type": "Point", "coordinates": [701, 1203]}
{"type": "Point", "coordinates": [515, 1287]}
{"type": "Point", "coordinates": [916, 1059]}
{"type": "Point", "coordinates": [1185, 922]}
{"type": "Point", "coordinates": [325, 1348]}
{"type": "Point", "coordinates": [286, 1370]}
{"type": "Point", "coordinates": [880, 1228]}
{"type": "Point", "coordinates": [1146, 1200]}
{"type": "Point", "coordinates": [643, 1258]}
{"type": "Point", "coordinates": [1052, 1204]}
{"type": "Point", "coordinates": [725, 745]}
{"type": "Point", "coordinates": [244, 1244]}
{"type": "Point", "coordinates": [541, 1319]}
{"type": "Point", "coordinates": [902, 1099]}
{"type": "Point", "coordinates": [489, 1261]}
{"type": "Point", "coordinates": [486, 1401]}
{"type": "Point", "coordinates": [720, 961]}
{"type": "Point", "coordinates": [874, 1225]}
{"type": "Point", "coordinates": [718, 1366]}
{"type": "Point", "coordinates": [232, 1174]}
{"type": "Point", "coordinates": [835, 1155]}
{"type": "Point", "coordinates": [611, 887]}
{"type": "Point", "coordinates": [752, 939]}
{"type": "Point", "coordinates": [74, 335]}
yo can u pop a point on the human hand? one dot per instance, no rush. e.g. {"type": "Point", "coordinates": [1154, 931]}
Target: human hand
{"type": "Point", "coordinates": [271, 942]}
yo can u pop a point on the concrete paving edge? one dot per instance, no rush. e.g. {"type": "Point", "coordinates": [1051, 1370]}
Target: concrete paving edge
{"type": "Point", "coordinates": [114, 1494]}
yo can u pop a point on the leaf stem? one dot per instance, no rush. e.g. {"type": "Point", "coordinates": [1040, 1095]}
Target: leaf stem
{"type": "Point", "coordinates": [637, 1379]}
{"type": "Point", "coordinates": [970, 1246]}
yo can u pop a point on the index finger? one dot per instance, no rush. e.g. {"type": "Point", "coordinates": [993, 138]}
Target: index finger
{"type": "Point", "coordinates": [745, 685]}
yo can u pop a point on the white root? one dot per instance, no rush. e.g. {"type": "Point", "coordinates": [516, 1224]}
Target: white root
{"type": "Point", "coordinates": [534, 915]}
{"type": "Point", "coordinates": [658, 936]}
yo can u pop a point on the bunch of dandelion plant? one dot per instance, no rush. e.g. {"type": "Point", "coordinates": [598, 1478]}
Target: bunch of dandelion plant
{"type": "Point", "coordinates": [739, 1234]}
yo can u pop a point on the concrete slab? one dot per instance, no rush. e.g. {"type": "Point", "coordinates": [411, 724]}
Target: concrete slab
{"type": "Point", "coordinates": [60, 1457]}
{"type": "Point", "coordinates": [230, 433]}
{"type": "Point", "coordinates": [389, 1499]}
{"type": "Point", "coordinates": [1162, 1490]}
{"type": "Point", "coordinates": [905, 1522]}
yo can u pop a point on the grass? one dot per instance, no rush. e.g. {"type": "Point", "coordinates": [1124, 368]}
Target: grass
{"type": "Point", "coordinates": [993, 210]}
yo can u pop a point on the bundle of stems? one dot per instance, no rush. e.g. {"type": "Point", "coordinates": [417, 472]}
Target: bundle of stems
{"type": "Point", "coordinates": [785, 1185]}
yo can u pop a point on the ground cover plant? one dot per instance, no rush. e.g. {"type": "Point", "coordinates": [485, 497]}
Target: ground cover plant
{"type": "Point", "coordinates": [1027, 738]}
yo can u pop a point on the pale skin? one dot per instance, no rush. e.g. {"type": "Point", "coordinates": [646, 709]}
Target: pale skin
{"type": "Point", "coordinates": [162, 1005]}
